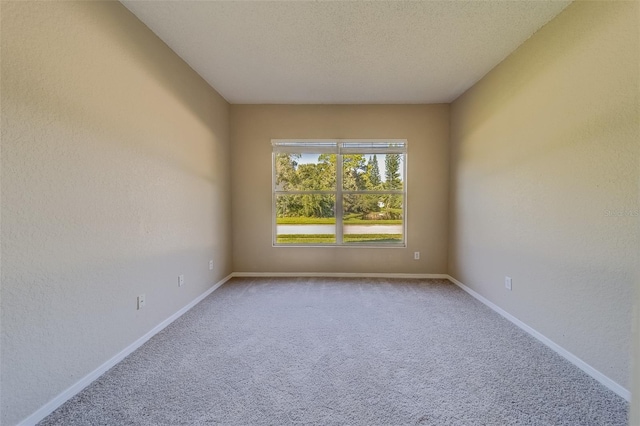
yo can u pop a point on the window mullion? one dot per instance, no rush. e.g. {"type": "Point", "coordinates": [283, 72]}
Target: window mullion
{"type": "Point", "coordinates": [338, 203]}
{"type": "Point", "coordinates": [274, 209]}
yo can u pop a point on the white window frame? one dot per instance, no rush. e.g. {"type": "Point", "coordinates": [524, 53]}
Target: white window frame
{"type": "Point", "coordinates": [340, 147]}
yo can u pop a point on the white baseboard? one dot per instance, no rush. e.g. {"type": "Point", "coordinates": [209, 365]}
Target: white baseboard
{"type": "Point", "coordinates": [337, 275]}
{"type": "Point", "coordinates": [606, 381]}
{"type": "Point", "coordinates": [56, 402]}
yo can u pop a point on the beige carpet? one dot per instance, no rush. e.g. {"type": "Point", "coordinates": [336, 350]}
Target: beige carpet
{"type": "Point", "coordinates": [315, 351]}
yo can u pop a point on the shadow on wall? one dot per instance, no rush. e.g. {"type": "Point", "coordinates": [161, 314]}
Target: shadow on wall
{"type": "Point", "coordinates": [154, 57]}
{"type": "Point", "coordinates": [538, 58]}
{"type": "Point", "coordinates": [117, 81]}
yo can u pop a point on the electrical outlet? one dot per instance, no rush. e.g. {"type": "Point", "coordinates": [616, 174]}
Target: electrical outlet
{"type": "Point", "coordinates": [416, 255]}
{"type": "Point", "coordinates": [211, 265]}
{"type": "Point", "coordinates": [180, 280]}
{"type": "Point", "coordinates": [141, 301]}
{"type": "Point", "coordinates": [507, 283]}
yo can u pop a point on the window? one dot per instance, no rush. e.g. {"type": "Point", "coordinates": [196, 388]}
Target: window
{"type": "Point", "coordinates": [341, 193]}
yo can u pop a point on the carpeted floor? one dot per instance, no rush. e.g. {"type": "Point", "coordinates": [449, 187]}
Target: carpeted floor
{"type": "Point", "coordinates": [321, 351]}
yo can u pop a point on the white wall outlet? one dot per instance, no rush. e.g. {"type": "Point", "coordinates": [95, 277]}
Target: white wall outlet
{"type": "Point", "coordinates": [141, 301]}
{"type": "Point", "coordinates": [507, 283]}
{"type": "Point", "coordinates": [416, 255]}
{"type": "Point", "coordinates": [211, 265]}
{"type": "Point", "coordinates": [180, 280]}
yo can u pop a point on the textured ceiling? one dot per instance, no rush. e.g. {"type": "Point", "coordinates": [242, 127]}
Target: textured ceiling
{"type": "Point", "coordinates": [343, 52]}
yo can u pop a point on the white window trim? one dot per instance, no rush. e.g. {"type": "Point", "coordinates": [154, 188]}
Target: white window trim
{"type": "Point", "coordinates": [339, 147]}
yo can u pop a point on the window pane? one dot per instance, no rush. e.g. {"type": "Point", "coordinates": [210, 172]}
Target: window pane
{"type": "Point", "coordinates": [373, 218]}
{"type": "Point", "coordinates": [305, 172]}
{"type": "Point", "coordinates": [305, 219]}
{"type": "Point", "coordinates": [370, 172]}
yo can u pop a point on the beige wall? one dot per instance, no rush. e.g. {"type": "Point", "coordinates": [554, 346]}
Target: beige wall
{"type": "Point", "coordinates": [542, 148]}
{"type": "Point", "coordinates": [424, 126]}
{"type": "Point", "coordinates": [115, 177]}
{"type": "Point", "coordinates": [114, 181]}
